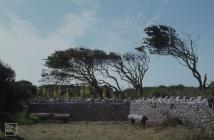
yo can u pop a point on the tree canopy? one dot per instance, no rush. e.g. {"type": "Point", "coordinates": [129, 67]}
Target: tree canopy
{"type": "Point", "coordinates": [9, 99]}
{"type": "Point", "coordinates": [80, 64]}
{"type": "Point", "coordinates": [132, 68]}
{"type": "Point", "coordinates": [163, 40]}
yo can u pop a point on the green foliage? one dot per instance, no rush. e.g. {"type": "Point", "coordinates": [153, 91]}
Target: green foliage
{"type": "Point", "coordinates": [211, 84]}
{"type": "Point", "coordinates": [159, 37]}
{"type": "Point", "coordinates": [5, 117]}
{"type": "Point", "coordinates": [163, 40]}
{"type": "Point", "coordinates": [163, 91]}
{"type": "Point", "coordinates": [10, 99]}
{"type": "Point", "coordinates": [20, 118]}
{"type": "Point", "coordinates": [106, 92]}
{"type": "Point", "coordinates": [85, 91]}
{"type": "Point", "coordinates": [79, 64]}
{"type": "Point", "coordinates": [25, 118]}
{"type": "Point", "coordinates": [211, 88]}
{"type": "Point", "coordinates": [58, 91]}
{"type": "Point", "coordinates": [26, 89]}
{"type": "Point", "coordinates": [67, 94]}
{"type": "Point", "coordinates": [76, 63]}
{"type": "Point", "coordinates": [6, 74]}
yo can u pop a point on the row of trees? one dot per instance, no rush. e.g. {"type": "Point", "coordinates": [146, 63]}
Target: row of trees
{"type": "Point", "coordinates": [97, 67]}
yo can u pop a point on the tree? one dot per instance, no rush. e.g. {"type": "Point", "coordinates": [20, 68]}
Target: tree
{"type": "Point", "coordinates": [26, 89]}
{"type": "Point", "coordinates": [163, 40]}
{"type": "Point", "coordinates": [107, 70]}
{"type": "Point", "coordinates": [131, 68]}
{"type": "Point", "coordinates": [9, 99]}
{"type": "Point", "coordinates": [6, 74]}
{"type": "Point", "coordinates": [80, 64]}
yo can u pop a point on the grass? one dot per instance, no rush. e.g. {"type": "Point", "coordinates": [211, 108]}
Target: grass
{"type": "Point", "coordinates": [25, 118]}
{"type": "Point", "coordinates": [106, 131]}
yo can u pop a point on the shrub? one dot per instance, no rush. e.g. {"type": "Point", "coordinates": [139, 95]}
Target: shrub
{"type": "Point", "coordinates": [172, 122]}
{"type": "Point", "coordinates": [20, 118]}
{"type": "Point", "coordinates": [4, 118]}
{"type": "Point", "coordinates": [25, 118]}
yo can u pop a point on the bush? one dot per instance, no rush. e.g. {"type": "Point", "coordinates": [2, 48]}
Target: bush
{"type": "Point", "coordinates": [172, 122]}
{"type": "Point", "coordinates": [4, 118]}
{"type": "Point", "coordinates": [20, 118]}
{"type": "Point", "coordinates": [9, 99]}
{"type": "Point", "coordinates": [25, 118]}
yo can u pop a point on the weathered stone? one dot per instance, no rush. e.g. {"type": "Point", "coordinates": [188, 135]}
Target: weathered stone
{"type": "Point", "coordinates": [196, 111]}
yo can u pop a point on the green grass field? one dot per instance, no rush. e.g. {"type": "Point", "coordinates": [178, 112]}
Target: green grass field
{"type": "Point", "coordinates": [106, 131]}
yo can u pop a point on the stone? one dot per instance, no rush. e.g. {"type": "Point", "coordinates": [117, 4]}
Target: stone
{"type": "Point", "coordinates": [198, 111]}
{"type": "Point", "coordinates": [199, 98]}
{"type": "Point", "coordinates": [177, 98]}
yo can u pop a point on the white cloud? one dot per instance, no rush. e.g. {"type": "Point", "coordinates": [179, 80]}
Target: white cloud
{"type": "Point", "coordinates": [75, 26]}
{"type": "Point", "coordinates": [24, 46]}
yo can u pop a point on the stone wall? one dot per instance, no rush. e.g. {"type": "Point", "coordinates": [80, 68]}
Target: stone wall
{"type": "Point", "coordinates": [195, 110]}
{"type": "Point", "coordinates": [85, 111]}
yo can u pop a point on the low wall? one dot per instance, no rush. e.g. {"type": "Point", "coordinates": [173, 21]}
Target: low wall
{"type": "Point", "coordinates": [196, 111]}
{"type": "Point", "coordinates": [85, 111]}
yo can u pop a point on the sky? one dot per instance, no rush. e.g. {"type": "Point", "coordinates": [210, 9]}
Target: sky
{"type": "Point", "coordinates": [30, 30]}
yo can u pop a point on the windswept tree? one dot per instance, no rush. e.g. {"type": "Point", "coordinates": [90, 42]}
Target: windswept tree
{"type": "Point", "coordinates": [107, 71]}
{"type": "Point", "coordinates": [163, 40]}
{"type": "Point", "coordinates": [132, 68]}
{"type": "Point", "coordinates": [80, 64]}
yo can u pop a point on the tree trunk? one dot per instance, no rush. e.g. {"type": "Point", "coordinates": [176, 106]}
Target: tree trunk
{"type": "Point", "coordinates": [205, 81]}
{"type": "Point", "coordinates": [98, 90]}
{"type": "Point", "coordinates": [139, 89]}
{"type": "Point", "coordinates": [197, 75]}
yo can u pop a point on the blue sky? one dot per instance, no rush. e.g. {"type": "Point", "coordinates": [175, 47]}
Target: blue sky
{"type": "Point", "coordinates": [30, 30]}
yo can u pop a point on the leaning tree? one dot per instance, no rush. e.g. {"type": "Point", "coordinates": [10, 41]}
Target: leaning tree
{"type": "Point", "coordinates": [163, 40]}
{"type": "Point", "coordinates": [132, 68]}
{"type": "Point", "coordinates": [107, 70]}
{"type": "Point", "coordinates": [80, 64]}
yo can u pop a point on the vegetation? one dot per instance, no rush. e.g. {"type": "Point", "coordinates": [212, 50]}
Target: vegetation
{"type": "Point", "coordinates": [63, 92]}
{"type": "Point", "coordinates": [99, 74]}
{"type": "Point", "coordinates": [177, 90]}
{"type": "Point", "coordinates": [78, 64]}
{"type": "Point", "coordinates": [132, 68]}
{"type": "Point", "coordinates": [96, 67]}
{"type": "Point", "coordinates": [163, 40]}
{"type": "Point", "coordinates": [13, 96]}
{"type": "Point", "coordinates": [110, 130]}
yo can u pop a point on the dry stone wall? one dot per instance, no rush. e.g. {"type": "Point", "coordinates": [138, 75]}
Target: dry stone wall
{"type": "Point", "coordinates": [195, 110]}
{"type": "Point", "coordinates": [85, 111]}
